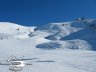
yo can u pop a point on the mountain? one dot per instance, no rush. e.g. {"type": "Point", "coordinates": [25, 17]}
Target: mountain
{"type": "Point", "coordinates": [77, 34]}
{"type": "Point", "coordinates": [55, 47]}
{"type": "Point", "coordinates": [14, 30]}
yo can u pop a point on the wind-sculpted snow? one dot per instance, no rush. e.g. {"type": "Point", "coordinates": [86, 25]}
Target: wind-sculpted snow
{"type": "Point", "coordinates": [49, 45]}
{"type": "Point", "coordinates": [84, 34]}
{"type": "Point", "coordinates": [76, 44]}
{"type": "Point", "coordinates": [60, 30]}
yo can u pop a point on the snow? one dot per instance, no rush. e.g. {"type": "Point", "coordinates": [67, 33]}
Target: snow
{"type": "Point", "coordinates": [73, 48]}
{"type": "Point", "coordinates": [15, 30]}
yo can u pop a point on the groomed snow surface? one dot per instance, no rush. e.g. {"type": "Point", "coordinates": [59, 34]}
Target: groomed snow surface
{"type": "Point", "coordinates": [55, 47]}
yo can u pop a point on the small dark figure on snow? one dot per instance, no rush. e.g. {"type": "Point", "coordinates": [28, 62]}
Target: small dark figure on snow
{"type": "Point", "coordinates": [18, 29]}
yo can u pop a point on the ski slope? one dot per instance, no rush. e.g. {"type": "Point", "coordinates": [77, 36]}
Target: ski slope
{"type": "Point", "coordinates": [56, 47]}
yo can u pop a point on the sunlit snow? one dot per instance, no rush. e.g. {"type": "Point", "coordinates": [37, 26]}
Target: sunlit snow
{"type": "Point", "coordinates": [73, 48]}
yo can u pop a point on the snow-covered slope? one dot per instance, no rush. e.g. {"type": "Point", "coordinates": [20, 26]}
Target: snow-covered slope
{"type": "Point", "coordinates": [14, 30]}
{"type": "Point", "coordinates": [77, 34]}
{"type": "Point", "coordinates": [56, 47]}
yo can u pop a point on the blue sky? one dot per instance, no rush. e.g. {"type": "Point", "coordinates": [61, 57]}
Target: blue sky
{"type": "Point", "coordinates": [40, 12]}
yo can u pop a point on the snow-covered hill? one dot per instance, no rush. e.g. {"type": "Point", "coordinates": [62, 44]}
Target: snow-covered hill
{"type": "Point", "coordinates": [71, 46]}
{"type": "Point", "coordinates": [77, 34]}
{"type": "Point", "coordinates": [14, 30]}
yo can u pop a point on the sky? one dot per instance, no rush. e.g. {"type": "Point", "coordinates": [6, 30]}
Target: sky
{"type": "Point", "coordinates": [40, 12]}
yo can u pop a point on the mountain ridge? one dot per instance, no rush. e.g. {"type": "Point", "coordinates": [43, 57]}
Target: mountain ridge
{"type": "Point", "coordinates": [77, 33]}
